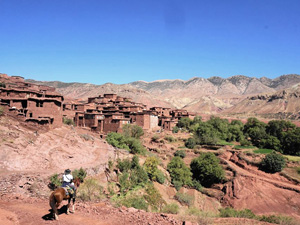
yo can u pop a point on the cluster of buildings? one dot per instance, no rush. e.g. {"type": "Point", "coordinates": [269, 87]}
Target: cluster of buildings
{"type": "Point", "coordinates": [108, 113]}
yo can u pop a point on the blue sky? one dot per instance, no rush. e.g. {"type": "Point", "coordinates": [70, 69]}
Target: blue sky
{"type": "Point", "coordinates": [97, 41]}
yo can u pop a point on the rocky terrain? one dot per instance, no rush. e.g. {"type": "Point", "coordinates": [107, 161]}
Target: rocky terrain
{"type": "Point", "coordinates": [210, 96]}
{"type": "Point", "coordinates": [29, 156]}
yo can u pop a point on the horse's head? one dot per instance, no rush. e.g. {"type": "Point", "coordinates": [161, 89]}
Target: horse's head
{"type": "Point", "coordinates": [77, 181]}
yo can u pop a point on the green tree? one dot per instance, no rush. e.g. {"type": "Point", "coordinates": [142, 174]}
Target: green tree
{"type": "Point", "coordinates": [207, 169]}
{"type": "Point", "coordinates": [205, 134]}
{"type": "Point", "coordinates": [184, 122]}
{"type": "Point", "coordinates": [134, 131]}
{"type": "Point", "coordinates": [273, 162]}
{"type": "Point", "coordinates": [153, 172]}
{"type": "Point", "coordinates": [270, 142]}
{"type": "Point", "coordinates": [180, 174]}
{"type": "Point", "coordinates": [291, 142]}
{"type": "Point", "coordinates": [190, 143]}
{"type": "Point", "coordinates": [256, 130]}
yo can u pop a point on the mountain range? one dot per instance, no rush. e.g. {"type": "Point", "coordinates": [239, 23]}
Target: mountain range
{"type": "Point", "coordinates": [212, 95]}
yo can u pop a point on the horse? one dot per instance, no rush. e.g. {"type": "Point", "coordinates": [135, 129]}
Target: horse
{"type": "Point", "coordinates": [58, 195]}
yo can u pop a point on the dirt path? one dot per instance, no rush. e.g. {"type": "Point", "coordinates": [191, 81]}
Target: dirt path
{"type": "Point", "coordinates": [34, 211]}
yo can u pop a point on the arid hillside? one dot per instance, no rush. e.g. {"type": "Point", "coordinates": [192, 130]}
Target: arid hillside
{"type": "Point", "coordinates": [281, 104]}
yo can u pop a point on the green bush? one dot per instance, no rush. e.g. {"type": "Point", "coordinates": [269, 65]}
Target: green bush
{"type": "Point", "coordinates": [273, 163]}
{"type": "Point", "coordinates": [159, 176]}
{"type": "Point", "coordinates": [245, 142]}
{"type": "Point", "coordinates": [170, 138]}
{"type": "Point", "coordinates": [81, 174]}
{"type": "Point", "coordinates": [68, 121]}
{"type": "Point", "coordinates": [154, 198]}
{"type": "Point", "coordinates": [207, 169]}
{"type": "Point", "coordinates": [298, 170]}
{"type": "Point", "coordinates": [129, 143]}
{"type": "Point", "coordinates": [134, 131]}
{"type": "Point", "coordinates": [90, 190]}
{"type": "Point", "coordinates": [55, 181]}
{"type": "Point", "coordinates": [230, 212]}
{"type": "Point", "coordinates": [175, 130]}
{"type": "Point", "coordinates": [190, 143]}
{"type": "Point", "coordinates": [172, 208]}
{"type": "Point", "coordinates": [184, 198]}
{"type": "Point", "coordinates": [180, 174]}
{"type": "Point", "coordinates": [124, 165]}
{"type": "Point", "coordinates": [155, 138]}
{"type": "Point", "coordinates": [180, 153]}
{"type": "Point", "coordinates": [135, 201]}
{"type": "Point", "coordinates": [277, 219]}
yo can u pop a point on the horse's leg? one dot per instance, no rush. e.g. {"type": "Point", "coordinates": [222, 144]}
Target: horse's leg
{"type": "Point", "coordinates": [73, 206]}
{"type": "Point", "coordinates": [54, 207]}
{"type": "Point", "coordinates": [68, 206]}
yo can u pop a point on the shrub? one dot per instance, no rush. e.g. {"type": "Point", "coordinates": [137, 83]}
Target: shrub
{"type": "Point", "coordinates": [1, 111]}
{"type": "Point", "coordinates": [179, 172]}
{"type": "Point", "coordinates": [81, 174]}
{"type": "Point", "coordinates": [175, 130]}
{"type": "Point", "coordinates": [170, 138]}
{"type": "Point", "coordinates": [245, 142]}
{"type": "Point", "coordinates": [190, 143]}
{"type": "Point", "coordinates": [273, 163]}
{"type": "Point", "coordinates": [150, 166]}
{"type": "Point", "coordinates": [159, 176]}
{"type": "Point", "coordinates": [230, 212]}
{"type": "Point", "coordinates": [135, 201]}
{"type": "Point", "coordinates": [154, 198]}
{"type": "Point", "coordinates": [124, 165]}
{"type": "Point", "coordinates": [134, 131]}
{"type": "Point", "coordinates": [277, 219]}
{"type": "Point", "coordinates": [207, 169]}
{"type": "Point", "coordinates": [87, 137]}
{"type": "Point", "coordinates": [155, 138]}
{"type": "Point", "coordinates": [68, 121]}
{"type": "Point", "coordinates": [90, 190]}
{"type": "Point", "coordinates": [138, 177]}
{"type": "Point", "coordinates": [55, 181]}
{"type": "Point", "coordinates": [180, 153]}
{"type": "Point", "coordinates": [172, 208]}
{"type": "Point", "coordinates": [184, 198]}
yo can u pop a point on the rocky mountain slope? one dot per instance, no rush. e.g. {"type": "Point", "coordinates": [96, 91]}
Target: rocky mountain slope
{"type": "Point", "coordinates": [212, 95]}
{"type": "Point", "coordinates": [283, 104]}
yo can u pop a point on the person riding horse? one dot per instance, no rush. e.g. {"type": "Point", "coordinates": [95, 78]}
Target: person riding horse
{"type": "Point", "coordinates": [68, 180]}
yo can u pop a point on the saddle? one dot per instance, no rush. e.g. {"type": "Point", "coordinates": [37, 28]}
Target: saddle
{"type": "Point", "coordinates": [69, 190]}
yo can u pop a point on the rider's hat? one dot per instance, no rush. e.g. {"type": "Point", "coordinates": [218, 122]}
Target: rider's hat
{"type": "Point", "coordinates": [67, 171]}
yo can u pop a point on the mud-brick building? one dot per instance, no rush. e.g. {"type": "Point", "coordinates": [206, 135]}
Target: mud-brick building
{"type": "Point", "coordinates": [33, 103]}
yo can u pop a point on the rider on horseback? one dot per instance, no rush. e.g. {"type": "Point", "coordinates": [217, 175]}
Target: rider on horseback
{"type": "Point", "coordinates": [68, 180]}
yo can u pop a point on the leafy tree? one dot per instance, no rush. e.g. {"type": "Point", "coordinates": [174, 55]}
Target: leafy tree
{"type": "Point", "coordinates": [134, 131]}
{"type": "Point", "coordinates": [220, 127]}
{"type": "Point", "coordinates": [153, 172]}
{"type": "Point", "coordinates": [291, 142]}
{"type": "Point", "coordinates": [256, 130]}
{"type": "Point", "coordinates": [270, 142]}
{"type": "Point", "coordinates": [124, 165]}
{"type": "Point", "coordinates": [190, 143]}
{"type": "Point", "coordinates": [273, 162]}
{"type": "Point", "coordinates": [175, 130]}
{"type": "Point", "coordinates": [180, 153]}
{"type": "Point", "coordinates": [184, 122]}
{"type": "Point", "coordinates": [207, 169]}
{"type": "Point", "coordinates": [235, 132]}
{"type": "Point", "coordinates": [179, 172]}
{"type": "Point", "coordinates": [205, 134]}
{"type": "Point", "coordinates": [277, 127]}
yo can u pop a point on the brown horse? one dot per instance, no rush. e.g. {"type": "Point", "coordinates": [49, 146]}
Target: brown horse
{"type": "Point", "coordinates": [59, 195]}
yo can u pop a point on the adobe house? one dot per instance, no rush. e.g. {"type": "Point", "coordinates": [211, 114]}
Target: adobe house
{"type": "Point", "coordinates": [33, 103]}
{"type": "Point", "coordinates": [146, 119]}
{"type": "Point", "coordinates": [169, 125]}
{"type": "Point", "coordinates": [114, 122]}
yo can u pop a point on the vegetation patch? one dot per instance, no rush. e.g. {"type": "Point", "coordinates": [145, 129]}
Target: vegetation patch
{"type": "Point", "coordinates": [238, 147]}
{"type": "Point", "coordinates": [263, 151]}
{"type": "Point", "coordinates": [185, 198]}
{"type": "Point", "coordinates": [68, 121]}
{"type": "Point", "coordinates": [273, 163]}
{"type": "Point", "coordinates": [172, 208]}
{"type": "Point", "coordinates": [180, 153]}
{"type": "Point", "coordinates": [292, 158]}
{"type": "Point", "coordinates": [90, 190]}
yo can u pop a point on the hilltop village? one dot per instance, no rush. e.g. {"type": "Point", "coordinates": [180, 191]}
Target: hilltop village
{"type": "Point", "coordinates": [43, 106]}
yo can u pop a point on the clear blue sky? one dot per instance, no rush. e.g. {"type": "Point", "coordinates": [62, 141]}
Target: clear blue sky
{"type": "Point", "coordinates": [97, 41]}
